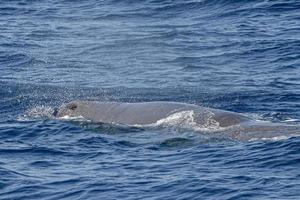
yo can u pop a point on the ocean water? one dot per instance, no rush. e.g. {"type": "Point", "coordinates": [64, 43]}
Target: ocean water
{"type": "Point", "coordinates": [241, 56]}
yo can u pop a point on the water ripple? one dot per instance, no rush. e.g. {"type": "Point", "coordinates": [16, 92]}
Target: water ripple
{"type": "Point", "coordinates": [233, 55]}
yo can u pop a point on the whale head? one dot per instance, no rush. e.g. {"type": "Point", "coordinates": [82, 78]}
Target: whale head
{"type": "Point", "coordinates": [70, 109]}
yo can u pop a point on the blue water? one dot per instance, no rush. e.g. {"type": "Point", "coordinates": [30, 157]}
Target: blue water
{"type": "Point", "coordinates": [241, 56]}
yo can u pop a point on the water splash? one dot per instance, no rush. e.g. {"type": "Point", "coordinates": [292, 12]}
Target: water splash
{"type": "Point", "coordinates": [186, 120]}
{"type": "Point", "coordinates": [37, 112]}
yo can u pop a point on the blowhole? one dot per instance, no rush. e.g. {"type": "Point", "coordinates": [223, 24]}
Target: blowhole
{"type": "Point", "coordinates": [72, 106]}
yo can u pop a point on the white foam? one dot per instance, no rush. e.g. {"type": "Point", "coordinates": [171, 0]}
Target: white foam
{"type": "Point", "coordinates": [72, 118]}
{"type": "Point", "coordinates": [292, 120]}
{"type": "Point", "coordinates": [274, 139]}
{"type": "Point", "coordinates": [186, 120]}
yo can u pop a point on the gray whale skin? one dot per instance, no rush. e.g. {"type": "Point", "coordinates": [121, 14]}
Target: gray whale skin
{"type": "Point", "coordinates": [234, 124]}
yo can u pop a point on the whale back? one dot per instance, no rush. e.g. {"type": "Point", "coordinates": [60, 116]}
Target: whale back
{"type": "Point", "coordinates": [146, 112]}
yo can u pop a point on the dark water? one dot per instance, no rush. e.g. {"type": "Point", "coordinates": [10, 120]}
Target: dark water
{"type": "Point", "coordinates": [241, 56]}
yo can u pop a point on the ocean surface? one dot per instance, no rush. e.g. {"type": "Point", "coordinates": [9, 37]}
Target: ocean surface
{"type": "Point", "coordinates": [242, 56]}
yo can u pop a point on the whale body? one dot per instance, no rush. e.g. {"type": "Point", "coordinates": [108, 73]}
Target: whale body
{"type": "Point", "coordinates": [144, 113]}
{"type": "Point", "coordinates": [234, 124]}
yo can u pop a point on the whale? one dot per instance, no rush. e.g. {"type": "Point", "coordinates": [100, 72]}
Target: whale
{"type": "Point", "coordinates": [232, 124]}
{"type": "Point", "coordinates": [145, 112]}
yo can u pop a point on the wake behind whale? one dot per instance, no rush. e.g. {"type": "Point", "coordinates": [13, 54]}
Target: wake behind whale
{"type": "Point", "coordinates": [214, 122]}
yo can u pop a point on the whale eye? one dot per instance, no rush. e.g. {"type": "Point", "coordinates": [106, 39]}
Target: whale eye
{"type": "Point", "coordinates": [72, 106]}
